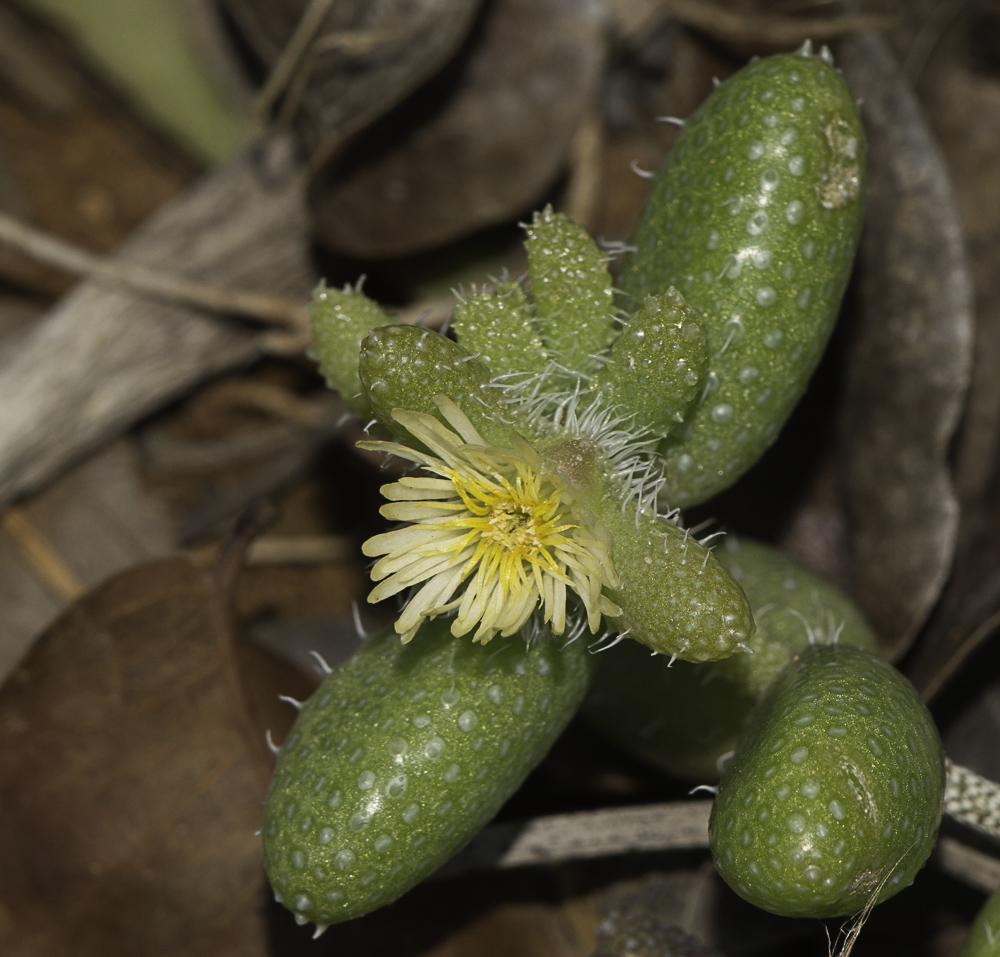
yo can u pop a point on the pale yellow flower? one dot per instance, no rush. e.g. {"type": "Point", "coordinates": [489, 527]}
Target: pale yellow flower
{"type": "Point", "coordinates": [494, 536]}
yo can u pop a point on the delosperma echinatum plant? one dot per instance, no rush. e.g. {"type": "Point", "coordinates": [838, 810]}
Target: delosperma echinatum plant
{"type": "Point", "coordinates": [552, 440]}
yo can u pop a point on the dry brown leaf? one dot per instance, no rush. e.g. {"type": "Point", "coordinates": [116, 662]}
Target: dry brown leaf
{"type": "Point", "coordinates": [909, 367]}
{"type": "Point", "coordinates": [131, 780]}
{"type": "Point", "coordinates": [478, 144]}
{"type": "Point", "coordinates": [962, 99]}
{"type": "Point", "coordinates": [341, 64]}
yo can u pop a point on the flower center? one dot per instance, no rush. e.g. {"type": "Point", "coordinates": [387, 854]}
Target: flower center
{"type": "Point", "coordinates": [520, 517]}
{"type": "Point", "coordinates": [513, 526]}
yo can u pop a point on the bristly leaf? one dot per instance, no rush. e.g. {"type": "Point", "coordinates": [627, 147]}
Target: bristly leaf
{"type": "Point", "coordinates": [405, 367]}
{"type": "Point", "coordinates": [341, 318]}
{"type": "Point", "coordinates": [571, 289]}
{"type": "Point", "coordinates": [500, 329]}
{"type": "Point", "coordinates": [754, 217]}
{"type": "Point", "coordinates": [657, 365]}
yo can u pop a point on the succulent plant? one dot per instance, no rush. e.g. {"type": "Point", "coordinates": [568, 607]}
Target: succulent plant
{"type": "Point", "coordinates": [556, 436]}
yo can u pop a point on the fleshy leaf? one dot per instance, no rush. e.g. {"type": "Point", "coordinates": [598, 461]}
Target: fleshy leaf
{"type": "Point", "coordinates": [657, 365]}
{"type": "Point", "coordinates": [571, 289]}
{"type": "Point", "coordinates": [499, 327]}
{"type": "Point", "coordinates": [341, 318]}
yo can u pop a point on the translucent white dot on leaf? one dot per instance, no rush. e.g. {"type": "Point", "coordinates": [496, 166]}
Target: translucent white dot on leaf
{"type": "Point", "coordinates": [794, 212]}
{"type": "Point", "coordinates": [757, 223]}
{"type": "Point", "coordinates": [773, 338]}
{"type": "Point", "coordinates": [769, 180]}
{"type": "Point", "coordinates": [467, 720]}
{"type": "Point", "coordinates": [396, 786]}
{"type": "Point", "coordinates": [397, 747]}
{"type": "Point", "coordinates": [723, 412]}
{"type": "Point", "coordinates": [434, 748]}
{"type": "Point", "coordinates": [766, 296]}
{"type": "Point", "coordinates": [343, 859]}
{"type": "Point", "coordinates": [359, 820]}
{"type": "Point", "coordinates": [796, 166]}
{"type": "Point", "coordinates": [762, 258]}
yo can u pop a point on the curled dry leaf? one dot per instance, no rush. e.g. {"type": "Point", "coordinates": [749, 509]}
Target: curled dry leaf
{"type": "Point", "coordinates": [131, 780]}
{"type": "Point", "coordinates": [340, 64]}
{"type": "Point", "coordinates": [962, 95]}
{"type": "Point", "coordinates": [103, 357]}
{"type": "Point", "coordinates": [909, 368]}
{"type": "Point", "coordinates": [480, 143]}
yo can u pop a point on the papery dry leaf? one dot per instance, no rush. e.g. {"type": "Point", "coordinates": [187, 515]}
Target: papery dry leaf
{"type": "Point", "coordinates": [105, 357]}
{"type": "Point", "coordinates": [909, 367]}
{"type": "Point", "coordinates": [131, 780]}
{"type": "Point", "coordinates": [356, 61]}
{"type": "Point", "coordinates": [962, 99]}
{"type": "Point", "coordinates": [478, 144]}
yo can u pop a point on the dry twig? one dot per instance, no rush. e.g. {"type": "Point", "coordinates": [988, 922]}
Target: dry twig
{"type": "Point", "coordinates": [55, 252]}
{"type": "Point", "coordinates": [42, 555]}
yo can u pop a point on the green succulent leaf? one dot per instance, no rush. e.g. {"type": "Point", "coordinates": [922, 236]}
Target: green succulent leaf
{"type": "Point", "coordinates": [341, 318]}
{"type": "Point", "coordinates": [656, 368]}
{"type": "Point", "coordinates": [499, 327]}
{"type": "Point", "coordinates": [983, 939]}
{"type": "Point", "coordinates": [834, 797]}
{"type": "Point", "coordinates": [406, 367]}
{"type": "Point", "coordinates": [402, 755]}
{"type": "Point", "coordinates": [571, 290]}
{"type": "Point", "coordinates": [754, 217]}
{"type": "Point", "coordinates": [676, 598]}
{"type": "Point", "coordinates": [686, 718]}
